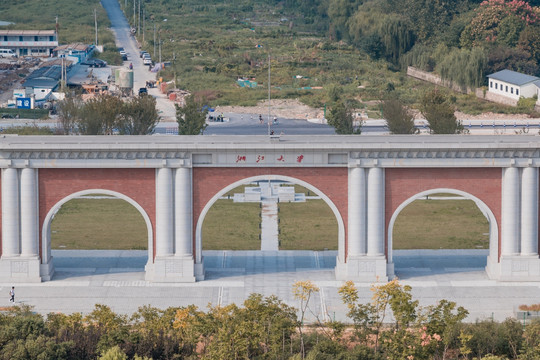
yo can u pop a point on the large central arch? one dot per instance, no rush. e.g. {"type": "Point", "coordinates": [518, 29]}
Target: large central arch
{"type": "Point", "coordinates": [333, 207]}
{"type": "Point", "coordinates": [486, 211]}
{"type": "Point", "coordinates": [47, 267]}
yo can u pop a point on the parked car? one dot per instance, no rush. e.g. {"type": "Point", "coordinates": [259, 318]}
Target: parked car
{"type": "Point", "coordinates": [124, 57]}
{"type": "Point", "coordinates": [94, 63]}
{"type": "Point", "coordinates": [143, 91]}
{"type": "Point", "coordinates": [142, 53]}
{"type": "Point", "coordinates": [147, 61]}
{"type": "Point", "coordinates": [7, 53]}
{"type": "Point", "coordinates": [122, 51]}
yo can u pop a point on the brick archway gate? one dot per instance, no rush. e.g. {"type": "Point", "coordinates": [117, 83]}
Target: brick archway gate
{"type": "Point", "coordinates": [329, 185]}
{"type": "Point", "coordinates": [365, 179]}
{"type": "Point", "coordinates": [47, 266]}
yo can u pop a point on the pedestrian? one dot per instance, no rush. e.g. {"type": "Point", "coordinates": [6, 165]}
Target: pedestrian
{"type": "Point", "coordinates": [12, 294]}
{"type": "Point", "coordinates": [130, 66]}
{"type": "Point", "coordinates": [260, 118]}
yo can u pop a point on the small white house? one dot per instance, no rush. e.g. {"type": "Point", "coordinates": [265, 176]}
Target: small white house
{"type": "Point", "coordinates": [513, 85]}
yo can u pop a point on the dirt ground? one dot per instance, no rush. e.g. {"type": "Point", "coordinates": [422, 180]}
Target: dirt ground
{"type": "Point", "coordinates": [291, 109]}
{"type": "Point", "coordinates": [294, 109]}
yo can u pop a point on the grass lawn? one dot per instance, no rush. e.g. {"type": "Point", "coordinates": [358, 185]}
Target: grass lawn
{"type": "Point", "coordinates": [98, 224]}
{"type": "Point", "coordinates": [232, 226]}
{"type": "Point", "coordinates": [311, 225]}
{"type": "Point", "coordinates": [115, 224]}
{"type": "Point", "coordinates": [441, 224]}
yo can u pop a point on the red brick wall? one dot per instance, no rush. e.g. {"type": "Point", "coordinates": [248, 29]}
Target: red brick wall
{"type": "Point", "coordinates": [56, 184]}
{"type": "Point", "coordinates": [207, 182]}
{"type": "Point", "coordinates": [484, 183]}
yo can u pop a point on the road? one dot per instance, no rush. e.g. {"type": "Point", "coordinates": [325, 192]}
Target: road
{"type": "Point", "coordinates": [121, 29]}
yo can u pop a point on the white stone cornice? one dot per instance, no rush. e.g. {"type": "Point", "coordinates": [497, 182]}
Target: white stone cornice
{"type": "Point", "coordinates": [255, 151]}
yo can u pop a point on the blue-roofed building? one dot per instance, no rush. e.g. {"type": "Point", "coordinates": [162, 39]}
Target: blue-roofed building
{"type": "Point", "coordinates": [43, 81]}
{"type": "Point", "coordinates": [513, 85]}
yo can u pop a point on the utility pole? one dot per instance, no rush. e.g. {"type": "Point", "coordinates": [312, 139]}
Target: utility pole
{"type": "Point", "coordinates": [154, 40]}
{"type": "Point", "coordinates": [139, 24]}
{"type": "Point", "coordinates": [57, 26]}
{"type": "Point", "coordinates": [95, 25]}
{"type": "Point", "coordinates": [269, 92]}
{"type": "Point", "coordinates": [160, 49]}
{"type": "Point", "coordinates": [143, 21]}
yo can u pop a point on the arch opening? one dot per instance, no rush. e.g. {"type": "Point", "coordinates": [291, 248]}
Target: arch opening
{"type": "Point", "coordinates": [117, 253]}
{"type": "Point", "coordinates": [468, 251]}
{"type": "Point", "coordinates": [270, 181]}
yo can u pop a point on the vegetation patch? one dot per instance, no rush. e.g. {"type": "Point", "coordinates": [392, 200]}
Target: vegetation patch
{"type": "Point", "coordinates": [98, 224]}
{"type": "Point", "coordinates": [441, 224]}
{"type": "Point", "coordinates": [232, 226]}
{"type": "Point", "coordinates": [307, 226]}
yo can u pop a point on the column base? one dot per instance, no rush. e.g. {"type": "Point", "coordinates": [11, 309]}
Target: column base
{"type": "Point", "coordinates": [363, 269]}
{"type": "Point", "coordinates": [171, 269]}
{"type": "Point", "coordinates": [514, 268]}
{"type": "Point", "coordinates": [20, 269]}
{"type": "Point", "coordinates": [47, 270]}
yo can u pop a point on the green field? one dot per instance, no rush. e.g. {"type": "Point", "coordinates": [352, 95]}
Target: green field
{"type": "Point", "coordinates": [232, 226]}
{"type": "Point", "coordinates": [108, 224]}
{"type": "Point", "coordinates": [441, 224]}
{"type": "Point", "coordinates": [115, 224]}
{"type": "Point", "coordinates": [311, 225]}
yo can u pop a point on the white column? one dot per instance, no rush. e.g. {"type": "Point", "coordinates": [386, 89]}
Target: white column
{"type": "Point", "coordinates": [29, 213]}
{"type": "Point", "coordinates": [375, 212]}
{"type": "Point", "coordinates": [529, 211]}
{"type": "Point", "coordinates": [164, 212]}
{"type": "Point", "coordinates": [10, 212]}
{"type": "Point", "coordinates": [510, 212]}
{"type": "Point", "coordinates": [183, 212]}
{"type": "Point", "coordinates": [356, 236]}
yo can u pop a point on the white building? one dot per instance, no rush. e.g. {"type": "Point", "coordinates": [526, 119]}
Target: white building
{"type": "Point", "coordinates": [29, 42]}
{"type": "Point", "coordinates": [513, 85]}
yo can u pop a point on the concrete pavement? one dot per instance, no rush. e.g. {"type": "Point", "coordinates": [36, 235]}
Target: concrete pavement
{"type": "Point", "coordinates": [116, 278]}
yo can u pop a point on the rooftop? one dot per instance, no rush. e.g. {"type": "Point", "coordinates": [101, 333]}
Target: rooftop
{"type": "Point", "coordinates": [212, 142]}
{"type": "Point", "coordinates": [513, 77]}
{"type": "Point", "coordinates": [28, 32]}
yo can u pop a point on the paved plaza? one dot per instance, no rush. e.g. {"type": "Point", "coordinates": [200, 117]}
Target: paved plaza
{"type": "Point", "coordinates": [116, 278]}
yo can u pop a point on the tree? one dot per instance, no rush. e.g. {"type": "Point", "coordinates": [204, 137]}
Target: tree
{"type": "Point", "coordinates": [341, 118]}
{"type": "Point", "coordinates": [139, 116]}
{"type": "Point", "coordinates": [100, 115]}
{"type": "Point", "coordinates": [398, 118]}
{"type": "Point", "coordinates": [68, 113]}
{"type": "Point", "coordinates": [302, 290]}
{"type": "Point", "coordinates": [498, 21]}
{"type": "Point", "coordinates": [439, 113]}
{"type": "Point", "coordinates": [464, 67]}
{"type": "Point", "coordinates": [191, 117]}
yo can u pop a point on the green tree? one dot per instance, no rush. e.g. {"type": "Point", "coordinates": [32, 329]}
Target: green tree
{"type": "Point", "coordinates": [191, 117]}
{"type": "Point", "coordinates": [531, 342]}
{"type": "Point", "coordinates": [445, 319]}
{"type": "Point", "coordinates": [139, 116]}
{"type": "Point", "coordinates": [302, 291]}
{"type": "Point", "coordinates": [341, 118]}
{"type": "Point", "coordinates": [464, 67]}
{"type": "Point", "coordinates": [68, 113]}
{"type": "Point", "coordinates": [100, 115]}
{"type": "Point", "coordinates": [398, 118]}
{"type": "Point", "coordinates": [114, 353]}
{"type": "Point", "coordinates": [437, 110]}
{"type": "Point", "coordinates": [498, 21]}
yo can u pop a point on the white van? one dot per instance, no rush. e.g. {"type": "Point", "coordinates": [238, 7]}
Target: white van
{"type": "Point", "coordinates": [7, 53]}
